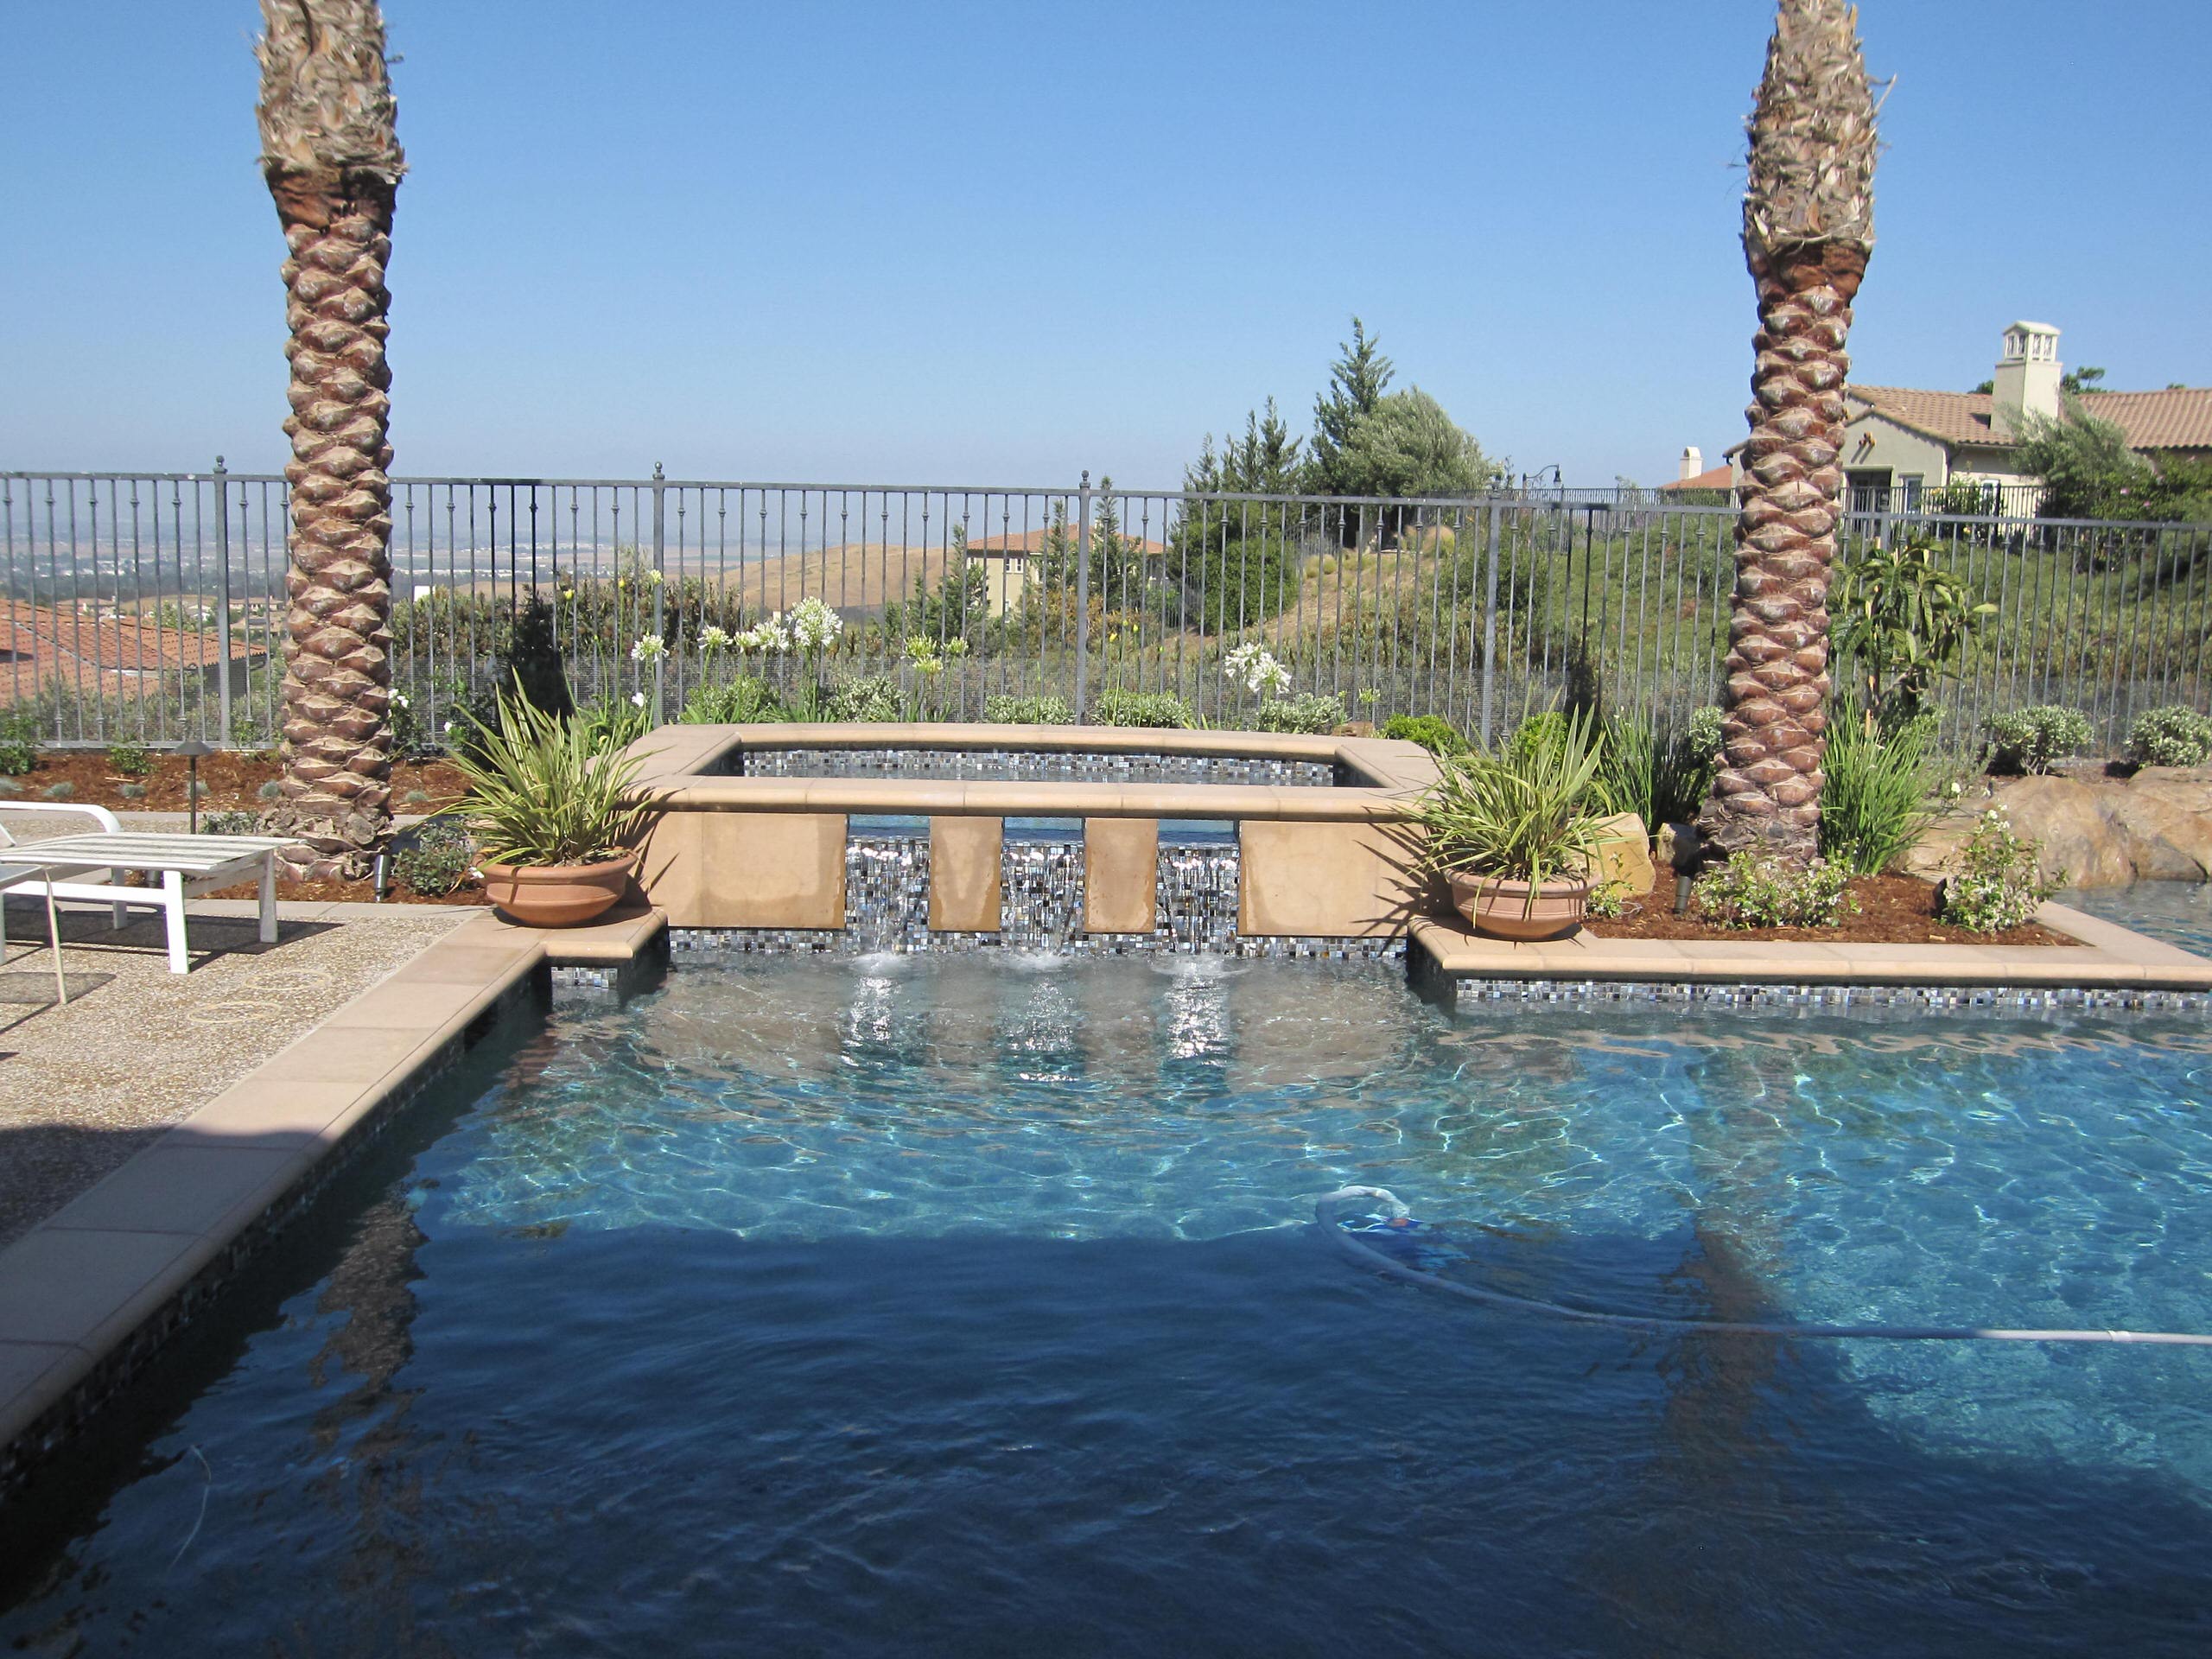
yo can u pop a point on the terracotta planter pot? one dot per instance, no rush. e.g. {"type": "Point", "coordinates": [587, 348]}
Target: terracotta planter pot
{"type": "Point", "coordinates": [558, 895]}
{"type": "Point", "coordinates": [1501, 908]}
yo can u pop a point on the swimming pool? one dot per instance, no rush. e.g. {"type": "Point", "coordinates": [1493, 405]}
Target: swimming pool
{"type": "Point", "coordinates": [967, 1306]}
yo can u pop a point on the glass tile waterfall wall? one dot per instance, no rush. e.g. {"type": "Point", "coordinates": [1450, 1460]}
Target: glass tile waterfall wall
{"type": "Point", "coordinates": [1040, 909]}
{"type": "Point", "coordinates": [148, 607]}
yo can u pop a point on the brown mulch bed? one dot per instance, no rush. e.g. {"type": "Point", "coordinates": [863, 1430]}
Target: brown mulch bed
{"type": "Point", "coordinates": [232, 781]}
{"type": "Point", "coordinates": [363, 892]}
{"type": "Point", "coordinates": [1892, 909]}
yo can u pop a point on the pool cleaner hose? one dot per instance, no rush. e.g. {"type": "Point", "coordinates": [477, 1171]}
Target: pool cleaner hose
{"type": "Point", "coordinates": [1330, 1211]}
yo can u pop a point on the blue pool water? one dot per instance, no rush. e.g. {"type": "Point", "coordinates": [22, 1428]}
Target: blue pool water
{"type": "Point", "coordinates": [962, 1306]}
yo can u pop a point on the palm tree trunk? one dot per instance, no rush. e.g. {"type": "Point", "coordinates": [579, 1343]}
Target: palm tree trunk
{"type": "Point", "coordinates": [1767, 794]}
{"type": "Point", "coordinates": [333, 163]}
{"type": "Point", "coordinates": [1809, 230]}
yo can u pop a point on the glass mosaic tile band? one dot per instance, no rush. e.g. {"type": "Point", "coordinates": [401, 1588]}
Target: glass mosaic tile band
{"type": "Point", "coordinates": [1033, 766]}
{"type": "Point", "coordinates": [1466, 993]}
{"type": "Point", "coordinates": [1041, 910]}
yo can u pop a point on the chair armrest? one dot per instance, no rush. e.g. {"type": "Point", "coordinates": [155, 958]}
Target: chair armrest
{"type": "Point", "coordinates": [99, 815]}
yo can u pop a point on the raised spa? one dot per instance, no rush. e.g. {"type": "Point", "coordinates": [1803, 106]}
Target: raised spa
{"type": "Point", "coordinates": [1081, 839]}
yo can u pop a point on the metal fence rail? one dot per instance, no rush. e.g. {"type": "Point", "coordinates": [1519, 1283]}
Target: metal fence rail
{"type": "Point", "coordinates": [149, 607]}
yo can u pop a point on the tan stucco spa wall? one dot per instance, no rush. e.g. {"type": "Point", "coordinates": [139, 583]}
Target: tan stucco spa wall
{"type": "Point", "coordinates": [769, 852]}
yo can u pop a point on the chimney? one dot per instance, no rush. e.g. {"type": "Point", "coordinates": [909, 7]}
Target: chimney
{"type": "Point", "coordinates": [1692, 464]}
{"type": "Point", "coordinates": [2027, 376]}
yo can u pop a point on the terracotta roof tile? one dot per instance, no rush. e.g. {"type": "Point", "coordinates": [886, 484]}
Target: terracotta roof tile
{"type": "Point", "coordinates": [2180, 419]}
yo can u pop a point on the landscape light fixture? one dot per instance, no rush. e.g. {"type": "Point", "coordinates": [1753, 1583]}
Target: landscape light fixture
{"type": "Point", "coordinates": [192, 749]}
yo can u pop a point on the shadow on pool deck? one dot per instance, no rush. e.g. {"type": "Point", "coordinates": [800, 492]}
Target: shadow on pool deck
{"type": "Point", "coordinates": [85, 1086]}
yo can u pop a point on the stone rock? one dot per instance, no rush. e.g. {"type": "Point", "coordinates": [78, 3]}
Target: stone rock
{"type": "Point", "coordinates": [2099, 831]}
{"type": "Point", "coordinates": [1625, 853]}
{"type": "Point", "coordinates": [1354, 729]}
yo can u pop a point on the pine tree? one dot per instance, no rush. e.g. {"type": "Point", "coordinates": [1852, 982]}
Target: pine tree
{"type": "Point", "coordinates": [1357, 382]}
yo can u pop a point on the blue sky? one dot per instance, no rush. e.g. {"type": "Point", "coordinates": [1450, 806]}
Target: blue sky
{"type": "Point", "coordinates": [982, 243]}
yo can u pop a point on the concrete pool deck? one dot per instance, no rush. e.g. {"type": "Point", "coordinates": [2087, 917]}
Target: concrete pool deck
{"type": "Point", "coordinates": [90, 1292]}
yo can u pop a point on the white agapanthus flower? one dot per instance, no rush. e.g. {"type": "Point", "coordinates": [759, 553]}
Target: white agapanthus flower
{"type": "Point", "coordinates": [713, 637]}
{"type": "Point", "coordinates": [813, 625]}
{"type": "Point", "coordinates": [1255, 666]}
{"type": "Point", "coordinates": [768, 636]}
{"type": "Point", "coordinates": [650, 648]}
{"type": "Point", "coordinates": [637, 699]}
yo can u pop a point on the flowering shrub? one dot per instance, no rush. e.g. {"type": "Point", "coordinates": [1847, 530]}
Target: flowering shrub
{"type": "Point", "coordinates": [2173, 736]}
{"type": "Point", "coordinates": [1753, 891]}
{"type": "Point", "coordinates": [1997, 886]}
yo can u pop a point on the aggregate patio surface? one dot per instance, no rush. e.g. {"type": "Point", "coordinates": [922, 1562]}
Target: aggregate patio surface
{"type": "Point", "coordinates": [137, 1049]}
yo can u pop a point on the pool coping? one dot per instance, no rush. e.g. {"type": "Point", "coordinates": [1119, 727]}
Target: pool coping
{"type": "Point", "coordinates": [2107, 956]}
{"type": "Point", "coordinates": [1390, 773]}
{"type": "Point", "coordinates": [92, 1291]}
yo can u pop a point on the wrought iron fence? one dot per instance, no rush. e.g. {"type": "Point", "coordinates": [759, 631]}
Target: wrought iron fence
{"type": "Point", "coordinates": [149, 607]}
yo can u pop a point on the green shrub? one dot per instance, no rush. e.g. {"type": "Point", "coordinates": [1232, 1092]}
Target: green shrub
{"type": "Point", "coordinates": [1661, 772]}
{"type": "Point", "coordinates": [1702, 736]}
{"type": "Point", "coordinates": [1004, 708]}
{"type": "Point", "coordinates": [129, 759]}
{"type": "Point", "coordinates": [607, 722]}
{"type": "Point", "coordinates": [273, 791]}
{"type": "Point", "coordinates": [1753, 891]}
{"type": "Point", "coordinates": [1538, 732]}
{"type": "Point", "coordinates": [131, 791]}
{"type": "Point", "coordinates": [1309, 711]}
{"type": "Point", "coordinates": [1997, 886]}
{"type": "Point", "coordinates": [741, 700]}
{"type": "Point", "coordinates": [1900, 622]}
{"type": "Point", "coordinates": [228, 824]}
{"type": "Point", "coordinates": [1156, 709]}
{"type": "Point", "coordinates": [2173, 736]}
{"type": "Point", "coordinates": [2030, 740]}
{"type": "Point", "coordinates": [413, 798]}
{"type": "Point", "coordinates": [9, 786]}
{"type": "Point", "coordinates": [1432, 732]}
{"type": "Point", "coordinates": [19, 741]}
{"type": "Point", "coordinates": [868, 697]}
{"type": "Point", "coordinates": [1874, 800]}
{"type": "Point", "coordinates": [61, 792]}
{"type": "Point", "coordinates": [434, 857]}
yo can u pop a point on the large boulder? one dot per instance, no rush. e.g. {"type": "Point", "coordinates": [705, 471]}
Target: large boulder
{"type": "Point", "coordinates": [1625, 854]}
{"type": "Point", "coordinates": [2099, 831]}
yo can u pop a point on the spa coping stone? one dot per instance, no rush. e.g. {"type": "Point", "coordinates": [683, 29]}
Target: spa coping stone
{"type": "Point", "coordinates": [97, 1286]}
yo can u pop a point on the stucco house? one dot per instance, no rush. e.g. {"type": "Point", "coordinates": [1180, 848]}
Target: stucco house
{"type": "Point", "coordinates": [1903, 443]}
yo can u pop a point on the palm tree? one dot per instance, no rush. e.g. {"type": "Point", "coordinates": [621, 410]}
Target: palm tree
{"type": "Point", "coordinates": [1808, 228]}
{"type": "Point", "coordinates": [333, 163]}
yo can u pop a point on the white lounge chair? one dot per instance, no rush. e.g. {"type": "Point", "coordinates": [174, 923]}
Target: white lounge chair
{"type": "Point", "coordinates": [189, 866]}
